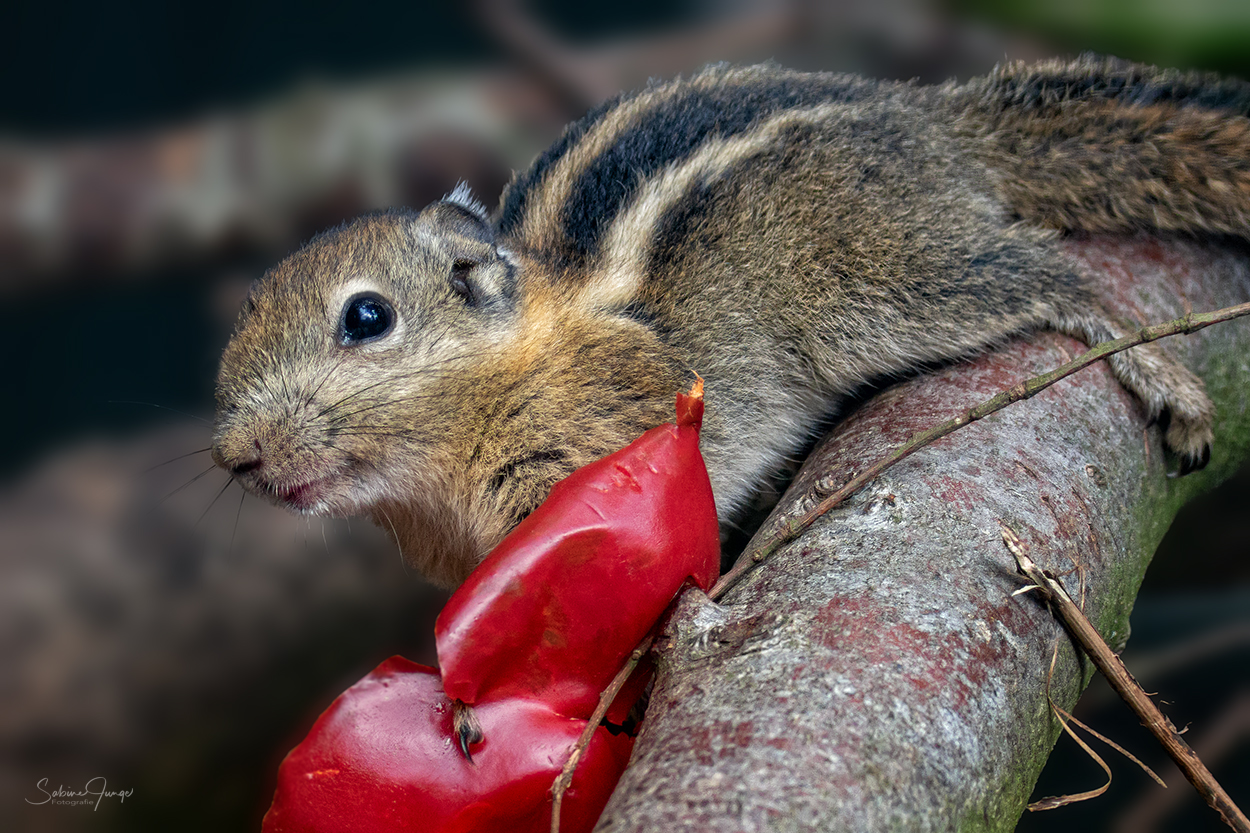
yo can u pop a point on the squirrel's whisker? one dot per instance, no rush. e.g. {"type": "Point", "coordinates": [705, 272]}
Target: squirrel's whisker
{"type": "Point", "coordinates": [176, 459]}
{"type": "Point", "coordinates": [185, 485]}
{"type": "Point", "coordinates": [220, 492]}
{"type": "Point", "coordinates": [162, 407]}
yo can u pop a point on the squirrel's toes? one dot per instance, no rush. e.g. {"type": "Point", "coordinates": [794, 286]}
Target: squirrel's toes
{"type": "Point", "coordinates": [1191, 442]}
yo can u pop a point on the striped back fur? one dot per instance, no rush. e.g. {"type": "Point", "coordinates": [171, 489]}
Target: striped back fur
{"type": "Point", "coordinates": [563, 206]}
{"type": "Point", "coordinates": [1095, 144]}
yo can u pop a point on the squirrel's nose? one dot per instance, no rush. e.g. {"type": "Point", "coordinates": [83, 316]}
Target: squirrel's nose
{"type": "Point", "coordinates": [253, 459]}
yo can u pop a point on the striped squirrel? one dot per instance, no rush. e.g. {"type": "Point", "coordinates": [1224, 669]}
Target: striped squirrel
{"type": "Point", "coordinates": [785, 235]}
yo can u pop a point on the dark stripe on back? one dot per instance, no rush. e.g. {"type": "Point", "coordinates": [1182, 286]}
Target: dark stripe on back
{"type": "Point", "coordinates": [682, 226]}
{"type": "Point", "coordinates": [1123, 82]}
{"type": "Point", "coordinates": [518, 192]}
{"type": "Point", "coordinates": [667, 134]}
{"type": "Point", "coordinates": [675, 130]}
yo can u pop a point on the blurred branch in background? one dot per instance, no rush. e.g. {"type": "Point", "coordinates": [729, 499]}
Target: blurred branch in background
{"type": "Point", "coordinates": [256, 181]}
{"type": "Point", "coordinates": [581, 75]}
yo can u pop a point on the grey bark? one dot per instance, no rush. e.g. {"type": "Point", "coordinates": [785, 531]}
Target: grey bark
{"type": "Point", "coordinates": [877, 673]}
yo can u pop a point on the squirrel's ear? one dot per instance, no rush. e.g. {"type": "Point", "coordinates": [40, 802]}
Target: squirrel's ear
{"type": "Point", "coordinates": [458, 215]}
{"type": "Point", "coordinates": [462, 196]}
{"type": "Point", "coordinates": [478, 270]}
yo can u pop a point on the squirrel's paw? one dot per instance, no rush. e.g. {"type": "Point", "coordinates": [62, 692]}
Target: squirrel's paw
{"type": "Point", "coordinates": [1177, 399]}
{"type": "Point", "coordinates": [1190, 440]}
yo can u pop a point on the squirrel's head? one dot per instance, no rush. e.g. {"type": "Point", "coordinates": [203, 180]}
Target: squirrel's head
{"type": "Point", "coordinates": [352, 383]}
{"type": "Point", "coordinates": [406, 367]}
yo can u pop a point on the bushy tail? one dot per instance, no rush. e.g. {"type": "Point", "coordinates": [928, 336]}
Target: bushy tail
{"type": "Point", "coordinates": [1100, 144]}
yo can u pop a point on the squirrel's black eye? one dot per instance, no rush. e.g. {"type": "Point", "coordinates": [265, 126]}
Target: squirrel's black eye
{"type": "Point", "coordinates": [365, 318]}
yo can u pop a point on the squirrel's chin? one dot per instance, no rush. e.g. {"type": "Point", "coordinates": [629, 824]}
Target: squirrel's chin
{"type": "Point", "coordinates": [307, 498]}
{"type": "Point", "coordinates": [328, 496]}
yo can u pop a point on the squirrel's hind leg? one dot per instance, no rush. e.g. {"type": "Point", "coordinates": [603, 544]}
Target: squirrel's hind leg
{"type": "Point", "coordinates": [1170, 392]}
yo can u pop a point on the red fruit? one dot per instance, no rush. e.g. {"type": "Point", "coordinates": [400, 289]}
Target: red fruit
{"type": "Point", "coordinates": [531, 639]}
{"type": "Point", "coordinates": [552, 613]}
{"type": "Point", "coordinates": [383, 758]}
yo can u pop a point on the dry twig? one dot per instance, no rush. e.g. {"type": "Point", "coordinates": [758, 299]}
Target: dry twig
{"type": "Point", "coordinates": [1064, 719]}
{"type": "Point", "coordinates": [565, 777]}
{"type": "Point", "coordinates": [1124, 684]}
{"type": "Point", "coordinates": [1219, 739]}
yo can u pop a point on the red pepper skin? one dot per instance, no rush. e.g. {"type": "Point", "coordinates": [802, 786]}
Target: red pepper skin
{"type": "Point", "coordinates": [530, 640]}
{"type": "Point", "coordinates": [554, 610]}
{"type": "Point", "coordinates": [382, 758]}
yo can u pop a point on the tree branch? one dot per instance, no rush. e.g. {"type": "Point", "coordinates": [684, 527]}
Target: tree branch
{"type": "Point", "coordinates": [791, 529]}
{"type": "Point", "coordinates": [875, 673]}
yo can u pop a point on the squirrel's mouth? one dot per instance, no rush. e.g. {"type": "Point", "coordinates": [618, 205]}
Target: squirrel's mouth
{"type": "Point", "coordinates": [304, 497]}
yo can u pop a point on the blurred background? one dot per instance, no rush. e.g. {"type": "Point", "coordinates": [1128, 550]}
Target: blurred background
{"type": "Point", "coordinates": [177, 639]}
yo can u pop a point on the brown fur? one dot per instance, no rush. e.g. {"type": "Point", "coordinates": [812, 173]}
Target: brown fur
{"type": "Point", "coordinates": [787, 236]}
{"type": "Point", "coordinates": [1098, 165]}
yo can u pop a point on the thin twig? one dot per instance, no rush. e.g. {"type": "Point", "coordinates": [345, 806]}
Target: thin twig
{"type": "Point", "coordinates": [1154, 776]}
{"type": "Point", "coordinates": [791, 529]}
{"type": "Point", "coordinates": [1219, 738]}
{"type": "Point", "coordinates": [1055, 802]}
{"type": "Point", "coordinates": [1124, 684]}
{"type": "Point", "coordinates": [605, 700]}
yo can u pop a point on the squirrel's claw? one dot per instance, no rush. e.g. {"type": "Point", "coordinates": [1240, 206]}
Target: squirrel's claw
{"type": "Point", "coordinates": [1193, 462]}
{"type": "Point", "coordinates": [466, 727]}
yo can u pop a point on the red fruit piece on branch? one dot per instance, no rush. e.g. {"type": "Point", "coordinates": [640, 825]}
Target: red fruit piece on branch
{"type": "Point", "coordinates": [382, 758]}
{"type": "Point", "coordinates": [555, 609]}
{"type": "Point", "coordinates": [530, 640]}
